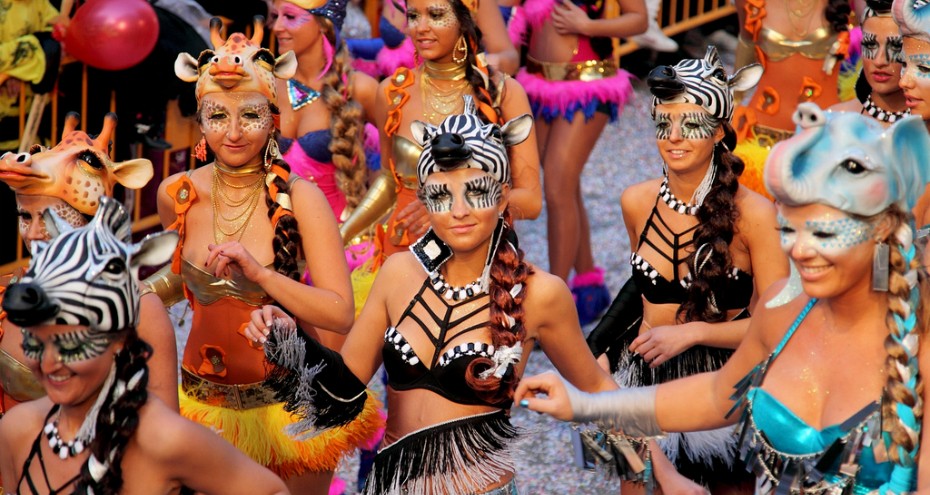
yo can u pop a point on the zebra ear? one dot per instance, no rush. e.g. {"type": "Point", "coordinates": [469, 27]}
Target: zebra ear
{"type": "Point", "coordinates": [746, 78]}
{"type": "Point", "coordinates": [155, 249]}
{"type": "Point", "coordinates": [36, 248]}
{"type": "Point", "coordinates": [516, 130]}
{"type": "Point", "coordinates": [422, 132]}
{"type": "Point", "coordinates": [113, 216]}
{"type": "Point", "coordinates": [54, 224]}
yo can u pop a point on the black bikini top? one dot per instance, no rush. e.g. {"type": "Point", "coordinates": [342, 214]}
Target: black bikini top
{"type": "Point", "coordinates": [26, 483]}
{"type": "Point", "coordinates": [442, 372]}
{"type": "Point", "coordinates": [657, 289]}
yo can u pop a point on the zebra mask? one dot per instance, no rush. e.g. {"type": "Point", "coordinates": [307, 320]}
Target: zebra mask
{"type": "Point", "coordinates": [703, 82]}
{"type": "Point", "coordinates": [87, 276]}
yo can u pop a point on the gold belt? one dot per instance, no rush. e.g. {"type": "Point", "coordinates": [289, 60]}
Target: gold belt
{"type": "Point", "coordinates": [236, 396]}
{"type": "Point", "coordinates": [589, 70]}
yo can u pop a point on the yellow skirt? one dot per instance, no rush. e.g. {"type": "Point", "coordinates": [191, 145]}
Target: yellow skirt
{"type": "Point", "coordinates": [259, 433]}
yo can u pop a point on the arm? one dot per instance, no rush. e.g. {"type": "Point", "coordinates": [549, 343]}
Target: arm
{"type": "Point", "coordinates": [364, 91]}
{"type": "Point", "coordinates": [568, 18]}
{"type": "Point", "coordinates": [156, 329]}
{"type": "Point", "coordinates": [501, 53]}
{"type": "Point", "coordinates": [526, 195]}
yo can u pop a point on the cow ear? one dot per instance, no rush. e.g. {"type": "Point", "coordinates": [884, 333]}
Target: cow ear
{"type": "Point", "coordinates": [185, 67]}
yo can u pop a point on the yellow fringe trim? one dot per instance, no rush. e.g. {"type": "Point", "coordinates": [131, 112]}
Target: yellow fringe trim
{"type": "Point", "coordinates": [362, 279]}
{"type": "Point", "coordinates": [259, 433]}
{"type": "Point", "coordinates": [753, 155]}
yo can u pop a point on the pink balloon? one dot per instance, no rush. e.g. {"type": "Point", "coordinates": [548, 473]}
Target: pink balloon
{"type": "Point", "coordinates": [112, 34]}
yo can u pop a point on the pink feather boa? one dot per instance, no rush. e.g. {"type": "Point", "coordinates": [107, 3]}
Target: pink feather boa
{"type": "Point", "coordinates": [567, 95]}
{"type": "Point", "coordinates": [391, 59]}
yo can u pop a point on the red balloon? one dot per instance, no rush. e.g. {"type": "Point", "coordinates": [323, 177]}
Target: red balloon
{"type": "Point", "coordinates": [112, 34]}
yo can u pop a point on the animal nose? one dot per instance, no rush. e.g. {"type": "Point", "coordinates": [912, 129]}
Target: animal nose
{"type": "Point", "coordinates": [27, 304]}
{"type": "Point", "coordinates": [449, 149]}
{"type": "Point", "coordinates": [18, 158]}
{"type": "Point", "coordinates": [663, 82]}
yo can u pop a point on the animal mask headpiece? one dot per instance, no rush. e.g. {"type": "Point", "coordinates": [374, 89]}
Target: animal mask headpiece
{"type": "Point", "coordinates": [877, 8]}
{"type": "Point", "coordinates": [87, 276]}
{"type": "Point", "coordinates": [465, 141]}
{"type": "Point", "coordinates": [334, 10]}
{"type": "Point", "coordinates": [911, 20]}
{"type": "Point", "coordinates": [236, 64]}
{"type": "Point", "coordinates": [78, 170]}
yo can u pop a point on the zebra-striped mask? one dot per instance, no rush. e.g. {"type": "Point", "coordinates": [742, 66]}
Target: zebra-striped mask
{"type": "Point", "coordinates": [465, 141]}
{"type": "Point", "coordinates": [87, 276]}
{"type": "Point", "coordinates": [703, 82]}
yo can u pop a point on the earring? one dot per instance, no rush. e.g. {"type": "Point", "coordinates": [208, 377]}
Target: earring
{"type": "Point", "coordinates": [880, 267]}
{"type": "Point", "coordinates": [461, 47]}
{"type": "Point", "coordinates": [272, 152]}
{"type": "Point", "coordinates": [431, 251]}
{"type": "Point", "coordinates": [200, 151]}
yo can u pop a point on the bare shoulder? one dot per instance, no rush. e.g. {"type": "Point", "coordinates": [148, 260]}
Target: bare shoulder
{"type": "Point", "coordinates": [23, 422]}
{"type": "Point", "coordinates": [308, 199]}
{"type": "Point", "coordinates": [544, 288]}
{"type": "Point", "coordinates": [363, 83]}
{"type": "Point", "coordinates": [514, 102]}
{"type": "Point", "coordinates": [641, 196]}
{"type": "Point", "coordinates": [754, 207]}
{"type": "Point", "coordinates": [774, 321]}
{"type": "Point", "coordinates": [402, 264]}
{"type": "Point", "coordinates": [163, 434]}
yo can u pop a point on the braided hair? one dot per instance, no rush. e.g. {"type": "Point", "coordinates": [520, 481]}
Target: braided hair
{"type": "Point", "coordinates": [287, 239]}
{"type": "Point", "coordinates": [118, 419]}
{"type": "Point", "coordinates": [711, 262]}
{"type": "Point", "coordinates": [480, 77]}
{"type": "Point", "coordinates": [508, 270]}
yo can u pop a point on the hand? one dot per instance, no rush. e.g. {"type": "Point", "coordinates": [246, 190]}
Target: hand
{"type": "Point", "coordinates": [261, 321]}
{"type": "Point", "coordinates": [658, 345]}
{"type": "Point", "coordinates": [232, 256]}
{"type": "Point", "coordinates": [414, 219]}
{"type": "Point", "coordinates": [568, 18]}
{"type": "Point", "coordinates": [556, 403]}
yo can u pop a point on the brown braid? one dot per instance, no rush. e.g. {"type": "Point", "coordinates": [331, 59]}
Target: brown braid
{"type": "Point", "coordinates": [717, 219]}
{"type": "Point", "coordinates": [346, 123]}
{"type": "Point", "coordinates": [896, 391]}
{"type": "Point", "coordinates": [287, 240]}
{"type": "Point", "coordinates": [484, 93]}
{"type": "Point", "coordinates": [507, 270]}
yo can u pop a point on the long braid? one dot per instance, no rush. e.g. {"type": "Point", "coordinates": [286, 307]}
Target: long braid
{"type": "Point", "coordinates": [118, 419]}
{"type": "Point", "coordinates": [480, 77]}
{"type": "Point", "coordinates": [508, 270]}
{"type": "Point", "coordinates": [902, 396]}
{"type": "Point", "coordinates": [346, 123]}
{"type": "Point", "coordinates": [287, 240]}
{"type": "Point", "coordinates": [711, 263]}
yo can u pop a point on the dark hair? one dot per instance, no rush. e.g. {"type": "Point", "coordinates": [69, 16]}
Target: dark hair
{"type": "Point", "coordinates": [837, 14]}
{"type": "Point", "coordinates": [507, 270]}
{"type": "Point", "coordinates": [287, 238]}
{"type": "Point", "coordinates": [486, 91]}
{"type": "Point", "coordinates": [118, 418]}
{"type": "Point", "coordinates": [717, 218]}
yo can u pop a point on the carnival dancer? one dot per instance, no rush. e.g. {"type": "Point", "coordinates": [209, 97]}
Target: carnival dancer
{"type": "Point", "coordinates": [575, 88]}
{"type": "Point", "coordinates": [244, 223]}
{"type": "Point", "coordinates": [801, 45]}
{"type": "Point", "coordinates": [877, 92]}
{"type": "Point", "coordinates": [451, 336]}
{"type": "Point", "coordinates": [98, 431]}
{"type": "Point", "coordinates": [810, 423]}
{"type": "Point", "coordinates": [70, 179]}
{"type": "Point", "coordinates": [697, 263]}
{"type": "Point", "coordinates": [453, 65]}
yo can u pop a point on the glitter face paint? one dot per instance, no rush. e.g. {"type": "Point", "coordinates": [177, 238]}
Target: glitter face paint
{"type": "Point", "coordinates": [436, 16]}
{"type": "Point", "coordinates": [290, 16]}
{"type": "Point", "coordinates": [253, 117]}
{"type": "Point", "coordinates": [829, 235]}
{"type": "Point", "coordinates": [71, 347]}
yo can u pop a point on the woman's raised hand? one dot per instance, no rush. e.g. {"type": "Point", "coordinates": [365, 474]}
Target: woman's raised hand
{"type": "Point", "coordinates": [261, 320]}
{"type": "Point", "coordinates": [568, 18]}
{"type": "Point", "coordinates": [556, 402]}
{"type": "Point", "coordinates": [231, 256]}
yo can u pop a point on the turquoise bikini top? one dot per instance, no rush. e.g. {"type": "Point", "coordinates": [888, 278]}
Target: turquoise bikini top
{"type": "Point", "coordinates": [789, 456]}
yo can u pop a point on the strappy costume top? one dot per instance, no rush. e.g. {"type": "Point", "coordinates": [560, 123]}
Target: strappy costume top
{"type": "Point", "coordinates": [659, 290]}
{"type": "Point", "coordinates": [442, 372]}
{"type": "Point", "coordinates": [36, 453]}
{"type": "Point", "coordinates": [784, 450]}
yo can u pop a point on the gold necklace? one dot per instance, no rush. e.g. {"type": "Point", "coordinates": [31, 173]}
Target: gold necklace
{"type": "Point", "coordinates": [799, 15]}
{"type": "Point", "coordinates": [239, 171]}
{"type": "Point", "coordinates": [447, 72]}
{"type": "Point", "coordinates": [439, 103]}
{"type": "Point", "coordinates": [238, 220]}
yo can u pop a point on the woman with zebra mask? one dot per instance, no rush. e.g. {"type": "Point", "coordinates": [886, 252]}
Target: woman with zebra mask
{"type": "Point", "coordinates": [697, 263]}
{"type": "Point", "coordinates": [70, 179]}
{"type": "Point", "coordinates": [832, 403]}
{"type": "Point", "coordinates": [244, 223]}
{"type": "Point", "coordinates": [452, 320]}
{"type": "Point", "coordinates": [98, 430]}
{"type": "Point", "coordinates": [877, 92]}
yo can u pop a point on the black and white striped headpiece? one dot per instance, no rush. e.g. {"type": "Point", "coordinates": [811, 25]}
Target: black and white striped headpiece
{"type": "Point", "coordinates": [465, 141]}
{"type": "Point", "coordinates": [703, 82]}
{"type": "Point", "coordinates": [87, 276]}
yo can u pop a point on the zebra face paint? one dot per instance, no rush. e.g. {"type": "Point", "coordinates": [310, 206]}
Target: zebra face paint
{"type": "Point", "coordinates": [870, 46]}
{"type": "Point", "coordinates": [440, 195]}
{"type": "Point", "coordinates": [436, 198]}
{"type": "Point", "coordinates": [685, 125]}
{"type": "Point", "coordinates": [483, 192]}
{"type": "Point", "coordinates": [881, 55]}
{"type": "Point", "coordinates": [70, 347]}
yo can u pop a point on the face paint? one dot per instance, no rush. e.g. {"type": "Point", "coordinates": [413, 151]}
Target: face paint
{"type": "Point", "coordinates": [217, 118]}
{"type": "Point", "coordinates": [437, 16]}
{"type": "Point", "coordinates": [483, 192]}
{"type": "Point", "coordinates": [290, 16]}
{"type": "Point", "coordinates": [869, 45]}
{"type": "Point", "coordinates": [692, 125]}
{"type": "Point", "coordinates": [827, 235]}
{"type": "Point", "coordinates": [436, 198]}
{"type": "Point", "coordinates": [917, 65]}
{"type": "Point", "coordinates": [29, 216]}
{"type": "Point", "coordinates": [71, 347]}
{"type": "Point", "coordinates": [894, 49]}
{"type": "Point", "coordinates": [255, 117]}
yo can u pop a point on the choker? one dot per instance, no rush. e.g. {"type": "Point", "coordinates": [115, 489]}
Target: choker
{"type": "Point", "coordinates": [60, 447]}
{"type": "Point", "coordinates": [239, 171]}
{"type": "Point", "coordinates": [869, 107]}
{"type": "Point", "coordinates": [665, 194]}
{"type": "Point", "coordinates": [300, 95]}
{"type": "Point", "coordinates": [444, 72]}
{"type": "Point", "coordinates": [472, 289]}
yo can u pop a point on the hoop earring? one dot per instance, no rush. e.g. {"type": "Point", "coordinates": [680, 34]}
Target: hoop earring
{"type": "Point", "coordinates": [272, 152]}
{"type": "Point", "coordinates": [461, 46]}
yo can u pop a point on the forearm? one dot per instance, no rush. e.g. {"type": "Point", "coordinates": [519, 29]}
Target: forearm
{"type": "Point", "coordinates": [623, 26]}
{"type": "Point", "coordinates": [315, 306]}
{"type": "Point", "coordinates": [524, 204]}
{"type": "Point", "coordinates": [506, 61]}
{"type": "Point", "coordinates": [725, 334]}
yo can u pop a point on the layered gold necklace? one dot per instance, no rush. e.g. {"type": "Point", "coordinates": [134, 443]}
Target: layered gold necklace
{"type": "Point", "coordinates": [240, 209]}
{"type": "Point", "coordinates": [441, 101]}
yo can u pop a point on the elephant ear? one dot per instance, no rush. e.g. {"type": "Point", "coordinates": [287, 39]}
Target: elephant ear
{"type": "Point", "coordinates": [907, 143]}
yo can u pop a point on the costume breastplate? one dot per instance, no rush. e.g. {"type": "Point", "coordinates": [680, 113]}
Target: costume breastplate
{"type": "Point", "coordinates": [777, 46]}
{"type": "Point", "coordinates": [17, 380]}
{"type": "Point", "coordinates": [406, 155]}
{"type": "Point", "coordinates": [209, 289]}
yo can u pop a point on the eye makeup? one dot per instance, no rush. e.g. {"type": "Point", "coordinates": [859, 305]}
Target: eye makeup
{"type": "Point", "coordinates": [436, 198]}
{"type": "Point", "coordinates": [254, 117]}
{"type": "Point", "coordinates": [483, 192]}
{"type": "Point", "coordinates": [870, 45]}
{"type": "Point", "coordinates": [71, 347]}
{"type": "Point", "coordinates": [894, 49]}
{"type": "Point", "coordinates": [828, 234]}
{"type": "Point", "coordinates": [692, 125]}
{"type": "Point", "coordinates": [290, 16]}
{"type": "Point", "coordinates": [436, 16]}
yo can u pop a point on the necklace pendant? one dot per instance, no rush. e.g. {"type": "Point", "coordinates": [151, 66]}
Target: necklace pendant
{"type": "Point", "coordinates": [300, 95]}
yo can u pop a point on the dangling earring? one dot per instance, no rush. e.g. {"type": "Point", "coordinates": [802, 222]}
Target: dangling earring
{"type": "Point", "coordinates": [431, 251]}
{"type": "Point", "coordinates": [880, 267]}
{"type": "Point", "coordinates": [200, 151]}
{"type": "Point", "coordinates": [461, 47]}
{"type": "Point", "coordinates": [272, 152]}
